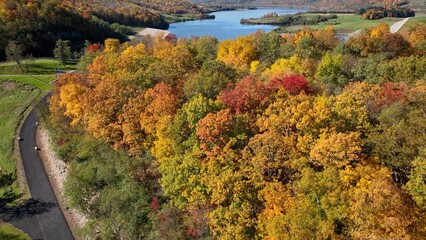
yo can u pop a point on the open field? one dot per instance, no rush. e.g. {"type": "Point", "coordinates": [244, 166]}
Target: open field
{"type": "Point", "coordinates": [8, 232]}
{"type": "Point", "coordinates": [418, 18]}
{"type": "Point", "coordinates": [40, 81]}
{"type": "Point", "coordinates": [39, 72]}
{"type": "Point", "coordinates": [35, 67]}
{"type": "Point", "coordinates": [346, 23]}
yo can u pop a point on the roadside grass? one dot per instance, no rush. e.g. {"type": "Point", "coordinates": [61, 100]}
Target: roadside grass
{"type": "Point", "coordinates": [15, 97]}
{"type": "Point", "coordinates": [346, 23]}
{"type": "Point", "coordinates": [8, 232]}
{"type": "Point", "coordinates": [17, 91]}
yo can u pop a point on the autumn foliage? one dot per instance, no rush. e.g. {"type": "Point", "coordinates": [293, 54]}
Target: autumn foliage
{"type": "Point", "coordinates": [227, 142]}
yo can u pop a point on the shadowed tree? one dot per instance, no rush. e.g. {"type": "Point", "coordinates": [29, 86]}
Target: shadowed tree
{"type": "Point", "coordinates": [62, 51]}
{"type": "Point", "coordinates": [14, 52]}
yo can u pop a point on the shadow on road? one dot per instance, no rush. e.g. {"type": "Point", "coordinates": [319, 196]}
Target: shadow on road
{"type": "Point", "coordinates": [29, 208]}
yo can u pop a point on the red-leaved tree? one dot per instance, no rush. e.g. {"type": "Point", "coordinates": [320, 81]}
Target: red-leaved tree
{"type": "Point", "coordinates": [292, 83]}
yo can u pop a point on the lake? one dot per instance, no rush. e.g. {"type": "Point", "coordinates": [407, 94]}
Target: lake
{"type": "Point", "coordinates": [227, 23]}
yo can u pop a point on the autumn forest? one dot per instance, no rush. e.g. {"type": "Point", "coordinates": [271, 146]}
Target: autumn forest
{"type": "Point", "coordinates": [267, 136]}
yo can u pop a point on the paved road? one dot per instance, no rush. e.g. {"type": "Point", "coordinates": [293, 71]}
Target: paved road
{"type": "Point", "coordinates": [396, 26]}
{"type": "Point", "coordinates": [40, 217]}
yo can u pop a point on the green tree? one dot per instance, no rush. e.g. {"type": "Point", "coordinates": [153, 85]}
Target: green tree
{"type": "Point", "coordinates": [330, 71]}
{"type": "Point", "coordinates": [15, 52]}
{"type": "Point", "coordinates": [417, 185]}
{"type": "Point", "coordinates": [213, 77]}
{"type": "Point", "coordinates": [62, 51]}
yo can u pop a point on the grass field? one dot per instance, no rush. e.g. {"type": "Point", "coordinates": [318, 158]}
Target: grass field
{"type": "Point", "coordinates": [35, 67]}
{"type": "Point", "coordinates": [40, 81]}
{"type": "Point", "coordinates": [418, 18]}
{"type": "Point", "coordinates": [8, 232]}
{"type": "Point", "coordinates": [346, 23]}
{"type": "Point", "coordinates": [38, 73]}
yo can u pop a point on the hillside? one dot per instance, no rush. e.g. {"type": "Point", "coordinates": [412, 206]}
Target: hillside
{"type": "Point", "coordinates": [153, 6]}
{"type": "Point", "coordinates": [319, 4]}
{"type": "Point", "coordinates": [36, 25]}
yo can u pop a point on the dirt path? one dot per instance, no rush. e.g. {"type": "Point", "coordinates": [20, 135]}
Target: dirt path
{"type": "Point", "coordinates": [396, 26]}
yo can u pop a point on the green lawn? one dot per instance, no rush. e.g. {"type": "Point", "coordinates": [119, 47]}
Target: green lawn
{"type": "Point", "coordinates": [346, 23]}
{"type": "Point", "coordinates": [36, 67]}
{"type": "Point", "coordinates": [8, 232]}
{"type": "Point", "coordinates": [38, 73]}
{"type": "Point", "coordinates": [418, 18]}
{"type": "Point", "coordinates": [40, 81]}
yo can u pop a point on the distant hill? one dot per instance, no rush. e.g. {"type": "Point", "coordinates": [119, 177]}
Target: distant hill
{"type": "Point", "coordinates": [319, 4]}
{"type": "Point", "coordinates": [154, 6]}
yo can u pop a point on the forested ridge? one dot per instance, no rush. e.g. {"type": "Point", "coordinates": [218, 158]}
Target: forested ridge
{"type": "Point", "coordinates": [317, 4]}
{"type": "Point", "coordinates": [35, 25]}
{"type": "Point", "coordinates": [266, 136]}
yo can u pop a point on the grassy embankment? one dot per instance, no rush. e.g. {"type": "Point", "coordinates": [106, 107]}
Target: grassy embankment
{"type": "Point", "coordinates": [14, 99]}
{"type": "Point", "coordinates": [17, 92]}
{"type": "Point", "coordinates": [8, 232]}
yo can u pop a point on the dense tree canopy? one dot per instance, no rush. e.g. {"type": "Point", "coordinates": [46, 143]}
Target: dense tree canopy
{"type": "Point", "coordinates": [262, 137]}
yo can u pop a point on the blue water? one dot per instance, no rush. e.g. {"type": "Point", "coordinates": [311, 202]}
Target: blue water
{"type": "Point", "coordinates": [227, 24]}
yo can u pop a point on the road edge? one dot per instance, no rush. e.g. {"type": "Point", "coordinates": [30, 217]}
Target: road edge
{"type": "Point", "coordinates": [21, 177]}
{"type": "Point", "coordinates": [69, 213]}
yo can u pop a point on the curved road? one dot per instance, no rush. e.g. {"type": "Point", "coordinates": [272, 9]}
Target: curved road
{"type": "Point", "coordinates": [396, 26]}
{"type": "Point", "coordinates": [40, 217]}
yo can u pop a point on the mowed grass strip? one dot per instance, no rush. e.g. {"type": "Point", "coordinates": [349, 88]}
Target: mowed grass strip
{"type": "Point", "coordinates": [14, 98]}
